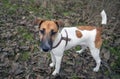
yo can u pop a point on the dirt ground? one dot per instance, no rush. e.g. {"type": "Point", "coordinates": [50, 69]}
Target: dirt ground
{"type": "Point", "coordinates": [20, 56]}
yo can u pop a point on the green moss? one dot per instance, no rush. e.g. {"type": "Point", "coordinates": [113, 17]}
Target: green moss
{"type": "Point", "coordinates": [105, 43]}
{"type": "Point", "coordinates": [25, 34]}
{"type": "Point", "coordinates": [77, 48]}
{"type": "Point", "coordinates": [6, 3]}
{"type": "Point", "coordinates": [31, 8]}
{"type": "Point", "coordinates": [83, 23]}
{"type": "Point", "coordinates": [115, 51]}
{"type": "Point", "coordinates": [116, 76]}
{"type": "Point", "coordinates": [65, 13]}
{"type": "Point", "coordinates": [11, 7]}
{"type": "Point", "coordinates": [66, 52]}
{"type": "Point", "coordinates": [75, 77]}
{"type": "Point", "coordinates": [24, 56]}
{"type": "Point", "coordinates": [11, 10]}
{"type": "Point", "coordinates": [106, 72]}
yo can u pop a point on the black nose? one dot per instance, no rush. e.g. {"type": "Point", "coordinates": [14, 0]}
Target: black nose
{"type": "Point", "coordinates": [46, 45]}
{"type": "Point", "coordinates": [45, 49]}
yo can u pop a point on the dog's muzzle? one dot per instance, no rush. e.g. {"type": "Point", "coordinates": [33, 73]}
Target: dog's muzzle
{"type": "Point", "coordinates": [46, 45]}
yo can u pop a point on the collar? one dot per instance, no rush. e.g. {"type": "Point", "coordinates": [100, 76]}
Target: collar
{"type": "Point", "coordinates": [62, 38]}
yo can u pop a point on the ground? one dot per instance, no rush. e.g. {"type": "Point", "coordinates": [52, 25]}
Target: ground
{"type": "Point", "coordinates": [20, 56]}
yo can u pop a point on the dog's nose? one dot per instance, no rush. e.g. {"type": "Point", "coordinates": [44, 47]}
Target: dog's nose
{"type": "Point", "coordinates": [45, 49]}
{"type": "Point", "coordinates": [46, 45]}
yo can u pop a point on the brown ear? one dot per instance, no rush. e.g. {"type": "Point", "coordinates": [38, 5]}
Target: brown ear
{"type": "Point", "coordinates": [60, 24]}
{"type": "Point", "coordinates": [38, 21]}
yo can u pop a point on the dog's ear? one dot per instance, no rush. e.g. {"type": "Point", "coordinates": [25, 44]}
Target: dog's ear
{"type": "Point", "coordinates": [38, 22]}
{"type": "Point", "coordinates": [60, 24]}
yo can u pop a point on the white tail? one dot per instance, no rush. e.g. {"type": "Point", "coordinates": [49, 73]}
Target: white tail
{"type": "Point", "coordinates": [104, 17]}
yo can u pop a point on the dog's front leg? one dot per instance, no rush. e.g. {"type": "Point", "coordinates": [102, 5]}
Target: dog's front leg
{"type": "Point", "coordinates": [57, 64]}
{"type": "Point", "coordinates": [53, 59]}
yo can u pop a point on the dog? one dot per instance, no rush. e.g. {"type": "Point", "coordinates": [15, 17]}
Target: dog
{"type": "Point", "coordinates": [55, 40]}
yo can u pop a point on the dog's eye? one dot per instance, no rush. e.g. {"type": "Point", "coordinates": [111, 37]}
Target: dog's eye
{"type": "Point", "coordinates": [53, 33]}
{"type": "Point", "coordinates": [42, 31]}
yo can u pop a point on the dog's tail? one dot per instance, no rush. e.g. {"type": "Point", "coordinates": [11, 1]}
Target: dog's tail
{"type": "Point", "coordinates": [104, 20]}
{"type": "Point", "coordinates": [104, 17]}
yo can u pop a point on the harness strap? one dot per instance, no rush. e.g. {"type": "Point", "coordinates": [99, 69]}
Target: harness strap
{"type": "Point", "coordinates": [63, 38]}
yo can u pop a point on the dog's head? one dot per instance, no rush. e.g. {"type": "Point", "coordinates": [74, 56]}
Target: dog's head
{"type": "Point", "coordinates": [47, 32]}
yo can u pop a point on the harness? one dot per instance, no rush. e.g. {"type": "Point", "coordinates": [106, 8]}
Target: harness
{"type": "Point", "coordinates": [63, 38]}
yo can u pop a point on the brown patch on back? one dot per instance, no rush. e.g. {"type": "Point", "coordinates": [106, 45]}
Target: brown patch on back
{"type": "Point", "coordinates": [78, 34]}
{"type": "Point", "coordinates": [86, 27]}
{"type": "Point", "coordinates": [98, 40]}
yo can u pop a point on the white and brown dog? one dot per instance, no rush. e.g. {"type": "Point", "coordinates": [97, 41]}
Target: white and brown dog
{"type": "Point", "coordinates": [57, 41]}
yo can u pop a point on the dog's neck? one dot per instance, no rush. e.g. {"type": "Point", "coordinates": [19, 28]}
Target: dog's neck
{"type": "Point", "coordinates": [57, 39]}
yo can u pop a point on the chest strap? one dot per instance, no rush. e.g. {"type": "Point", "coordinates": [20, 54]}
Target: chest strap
{"type": "Point", "coordinates": [63, 38]}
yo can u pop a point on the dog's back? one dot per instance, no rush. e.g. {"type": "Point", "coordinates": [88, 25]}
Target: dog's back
{"type": "Point", "coordinates": [80, 35]}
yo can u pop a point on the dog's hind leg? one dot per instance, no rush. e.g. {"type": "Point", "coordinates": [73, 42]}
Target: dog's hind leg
{"type": "Point", "coordinates": [80, 51]}
{"type": "Point", "coordinates": [95, 53]}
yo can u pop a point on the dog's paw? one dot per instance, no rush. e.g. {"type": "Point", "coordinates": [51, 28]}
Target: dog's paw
{"type": "Point", "coordinates": [79, 52]}
{"type": "Point", "coordinates": [96, 69]}
{"type": "Point", "coordinates": [54, 73]}
{"type": "Point", "coordinates": [51, 64]}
